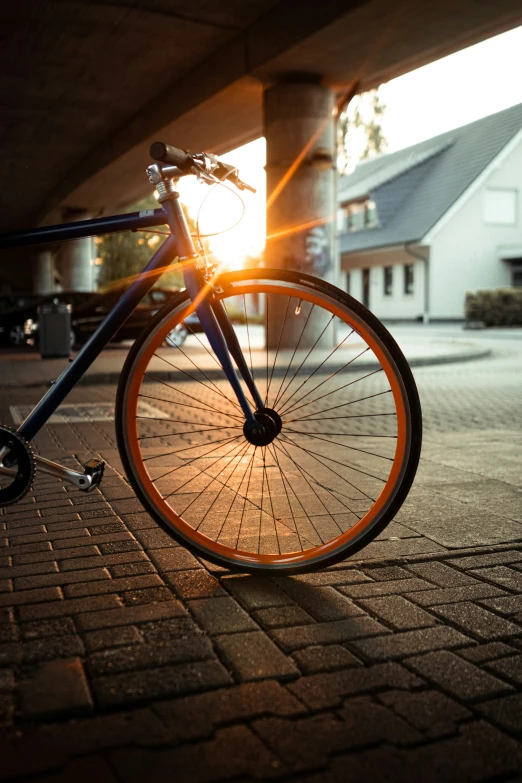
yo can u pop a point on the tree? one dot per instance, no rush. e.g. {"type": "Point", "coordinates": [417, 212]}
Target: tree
{"type": "Point", "coordinates": [359, 130]}
{"type": "Point", "coordinates": [123, 255]}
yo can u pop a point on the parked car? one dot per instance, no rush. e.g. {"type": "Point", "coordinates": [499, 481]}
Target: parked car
{"type": "Point", "coordinates": [13, 301]}
{"type": "Point", "coordinates": [13, 320]}
{"type": "Point", "coordinates": [85, 320]}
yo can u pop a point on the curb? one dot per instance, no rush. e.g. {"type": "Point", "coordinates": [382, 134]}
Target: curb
{"type": "Point", "coordinates": [106, 379]}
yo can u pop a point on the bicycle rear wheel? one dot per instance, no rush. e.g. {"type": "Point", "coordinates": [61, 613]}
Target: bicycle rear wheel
{"type": "Point", "coordinates": [335, 474]}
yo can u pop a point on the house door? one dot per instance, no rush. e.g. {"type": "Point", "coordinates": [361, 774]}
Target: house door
{"type": "Point", "coordinates": [366, 287]}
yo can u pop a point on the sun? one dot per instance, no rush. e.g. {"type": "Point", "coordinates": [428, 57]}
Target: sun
{"type": "Point", "coordinates": [224, 207]}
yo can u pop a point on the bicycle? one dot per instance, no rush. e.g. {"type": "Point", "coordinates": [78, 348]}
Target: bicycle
{"type": "Point", "coordinates": [291, 460]}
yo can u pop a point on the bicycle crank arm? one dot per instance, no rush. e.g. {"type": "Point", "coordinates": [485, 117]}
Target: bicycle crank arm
{"type": "Point", "coordinates": [89, 479]}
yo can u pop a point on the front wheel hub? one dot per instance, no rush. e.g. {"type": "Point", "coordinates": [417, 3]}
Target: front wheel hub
{"type": "Point", "coordinates": [262, 435]}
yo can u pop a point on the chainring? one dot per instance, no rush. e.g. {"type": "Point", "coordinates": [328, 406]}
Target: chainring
{"type": "Point", "coordinates": [18, 458]}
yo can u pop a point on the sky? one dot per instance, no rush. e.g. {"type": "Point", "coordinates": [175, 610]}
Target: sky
{"type": "Point", "coordinates": [458, 89]}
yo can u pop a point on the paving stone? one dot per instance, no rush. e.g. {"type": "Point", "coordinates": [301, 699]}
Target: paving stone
{"type": "Point", "coordinates": [510, 668]}
{"type": "Point", "coordinates": [139, 521]}
{"type": "Point", "coordinates": [27, 549]}
{"type": "Point", "coordinates": [221, 615]}
{"type": "Point", "coordinates": [90, 768]}
{"type": "Point", "coordinates": [441, 574]}
{"type": "Point", "coordinates": [282, 616]}
{"type": "Point", "coordinates": [139, 568]}
{"type": "Point", "coordinates": [112, 637]}
{"type": "Point", "coordinates": [61, 555]}
{"type": "Point", "coordinates": [336, 576]}
{"type": "Point", "coordinates": [52, 647]}
{"type": "Point", "coordinates": [486, 652]}
{"type": "Point", "coordinates": [506, 605]}
{"type": "Point", "coordinates": [322, 659]}
{"type": "Point", "coordinates": [506, 577]}
{"type": "Point", "coordinates": [195, 583]}
{"type": "Point", "coordinates": [7, 680]}
{"type": "Point", "coordinates": [119, 690]}
{"type": "Point", "coordinates": [10, 654]}
{"type": "Point", "coordinates": [147, 596]}
{"type": "Point", "coordinates": [58, 689]}
{"type": "Point", "coordinates": [307, 743]}
{"type": "Point", "coordinates": [400, 645]}
{"type": "Point", "coordinates": [432, 713]}
{"type": "Point", "coordinates": [6, 585]}
{"type": "Point", "coordinates": [67, 607]}
{"type": "Point", "coordinates": [481, 561]}
{"type": "Point", "coordinates": [322, 603]}
{"type": "Point", "coordinates": [97, 733]}
{"type": "Point", "coordinates": [28, 570]}
{"type": "Point", "coordinates": [478, 622]}
{"type": "Point", "coordinates": [128, 615]}
{"type": "Point", "coordinates": [236, 752]}
{"type": "Point", "coordinates": [398, 612]}
{"type": "Point", "coordinates": [7, 707]}
{"type": "Point", "coordinates": [173, 558]}
{"type": "Point", "coordinates": [116, 547]}
{"type": "Point", "coordinates": [325, 690]}
{"type": "Point", "coordinates": [102, 561]}
{"type": "Point", "coordinates": [161, 631]}
{"type": "Point", "coordinates": [109, 585]}
{"type": "Point", "coordinates": [49, 580]}
{"type": "Point", "coordinates": [40, 595]}
{"type": "Point", "coordinates": [505, 712]}
{"type": "Point", "coordinates": [197, 716]}
{"type": "Point", "coordinates": [460, 678]}
{"type": "Point", "coordinates": [455, 595]}
{"type": "Point", "coordinates": [193, 647]}
{"type": "Point", "coordinates": [335, 632]}
{"type": "Point", "coordinates": [370, 589]}
{"type": "Point", "coordinates": [255, 592]}
{"type": "Point", "coordinates": [253, 656]}
{"type": "Point", "coordinates": [385, 573]}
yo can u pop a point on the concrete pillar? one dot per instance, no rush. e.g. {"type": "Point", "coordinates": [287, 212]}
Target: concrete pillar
{"type": "Point", "coordinates": [43, 272]}
{"type": "Point", "coordinates": [300, 147]}
{"type": "Point", "coordinates": [76, 257]}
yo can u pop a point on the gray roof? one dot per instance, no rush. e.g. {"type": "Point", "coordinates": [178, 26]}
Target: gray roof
{"type": "Point", "coordinates": [414, 187]}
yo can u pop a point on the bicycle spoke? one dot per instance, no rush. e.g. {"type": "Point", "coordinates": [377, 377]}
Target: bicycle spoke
{"type": "Point", "coordinates": [279, 392]}
{"type": "Point", "coordinates": [350, 402]}
{"type": "Point", "coordinates": [296, 407]}
{"type": "Point", "coordinates": [277, 352]}
{"type": "Point", "coordinates": [319, 366]}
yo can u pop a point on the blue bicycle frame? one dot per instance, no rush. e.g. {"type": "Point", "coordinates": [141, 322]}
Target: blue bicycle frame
{"type": "Point", "coordinates": [177, 247]}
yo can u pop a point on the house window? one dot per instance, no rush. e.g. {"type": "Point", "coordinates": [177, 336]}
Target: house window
{"type": "Point", "coordinates": [358, 215]}
{"type": "Point", "coordinates": [370, 214]}
{"type": "Point", "coordinates": [388, 280]}
{"type": "Point", "coordinates": [347, 282]}
{"type": "Point", "coordinates": [500, 206]}
{"type": "Point", "coordinates": [408, 279]}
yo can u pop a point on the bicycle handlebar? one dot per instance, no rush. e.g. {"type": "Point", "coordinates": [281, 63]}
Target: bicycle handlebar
{"type": "Point", "coordinates": [171, 155]}
{"type": "Point", "coordinates": [200, 163]}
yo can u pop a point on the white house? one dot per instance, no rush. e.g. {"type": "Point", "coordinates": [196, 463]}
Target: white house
{"type": "Point", "coordinates": [420, 227]}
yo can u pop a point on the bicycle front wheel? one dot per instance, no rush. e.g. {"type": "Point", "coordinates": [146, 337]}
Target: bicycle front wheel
{"type": "Point", "coordinates": [350, 427]}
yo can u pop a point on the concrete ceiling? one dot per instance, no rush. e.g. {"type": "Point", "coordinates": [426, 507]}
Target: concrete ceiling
{"type": "Point", "coordinates": [87, 85]}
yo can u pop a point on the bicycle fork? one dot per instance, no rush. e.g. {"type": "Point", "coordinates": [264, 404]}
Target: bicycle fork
{"type": "Point", "coordinates": [223, 340]}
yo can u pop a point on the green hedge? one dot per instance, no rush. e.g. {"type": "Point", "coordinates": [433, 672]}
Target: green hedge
{"type": "Point", "coordinates": [495, 307]}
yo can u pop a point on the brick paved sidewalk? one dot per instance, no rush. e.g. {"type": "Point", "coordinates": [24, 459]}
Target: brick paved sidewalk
{"type": "Point", "coordinates": [124, 658]}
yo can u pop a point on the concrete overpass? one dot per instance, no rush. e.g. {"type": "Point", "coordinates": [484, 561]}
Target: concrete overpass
{"type": "Point", "coordinates": [88, 85]}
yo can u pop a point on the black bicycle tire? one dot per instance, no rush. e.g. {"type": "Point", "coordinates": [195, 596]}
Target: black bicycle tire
{"type": "Point", "coordinates": [413, 403]}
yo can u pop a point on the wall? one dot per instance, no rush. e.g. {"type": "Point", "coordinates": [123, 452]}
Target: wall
{"type": "Point", "coordinates": [466, 252]}
{"type": "Point", "coordinates": [397, 305]}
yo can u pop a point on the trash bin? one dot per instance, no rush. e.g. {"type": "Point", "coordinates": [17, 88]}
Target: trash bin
{"type": "Point", "coordinates": [54, 329]}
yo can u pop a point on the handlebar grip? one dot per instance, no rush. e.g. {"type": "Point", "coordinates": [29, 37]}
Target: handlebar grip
{"type": "Point", "coordinates": [171, 155]}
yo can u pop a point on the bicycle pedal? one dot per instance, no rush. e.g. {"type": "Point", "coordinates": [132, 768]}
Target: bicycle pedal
{"type": "Point", "coordinates": [93, 468]}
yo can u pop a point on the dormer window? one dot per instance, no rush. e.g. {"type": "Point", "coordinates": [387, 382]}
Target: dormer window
{"type": "Point", "coordinates": [359, 215]}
